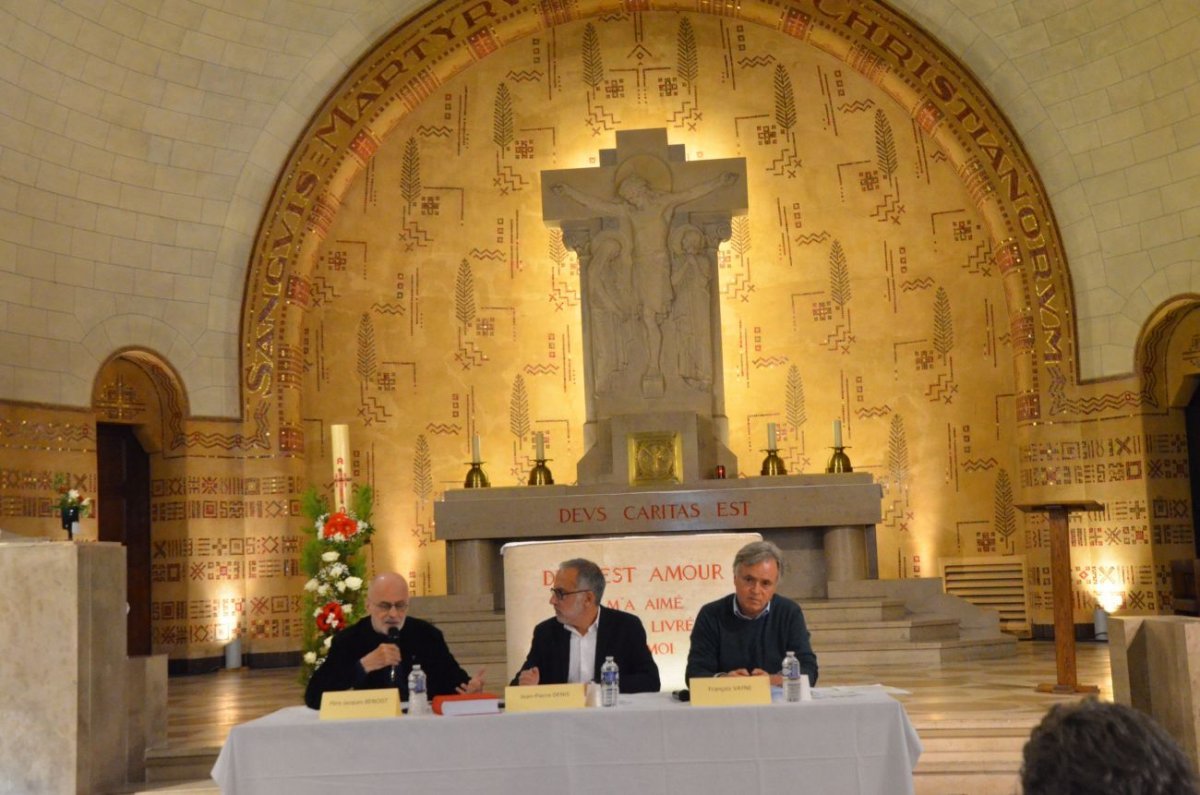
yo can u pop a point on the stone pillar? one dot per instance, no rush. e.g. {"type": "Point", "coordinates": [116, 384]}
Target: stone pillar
{"type": "Point", "coordinates": [470, 566]}
{"type": "Point", "coordinates": [1156, 669]}
{"type": "Point", "coordinates": [845, 553]}
{"type": "Point", "coordinates": [62, 729]}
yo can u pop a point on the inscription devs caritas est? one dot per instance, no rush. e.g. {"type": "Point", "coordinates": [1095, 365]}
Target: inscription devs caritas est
{"type": "Point", "coordinates": [657, 512]}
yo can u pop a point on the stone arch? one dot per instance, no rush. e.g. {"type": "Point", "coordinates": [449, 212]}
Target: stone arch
{"type": "Point", "coordinates": [156, 405]}
{"type": "Point", "coordinates": [1168, 354]}
{"type": "Point", "coordinates": [409, 65]}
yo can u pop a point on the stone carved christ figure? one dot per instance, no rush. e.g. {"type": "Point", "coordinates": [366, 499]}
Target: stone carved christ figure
{"type": "Point", "coordinates": [649, 213]}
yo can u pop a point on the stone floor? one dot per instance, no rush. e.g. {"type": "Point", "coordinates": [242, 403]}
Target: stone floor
{"type": "Point", "coordinates": [202, 709]}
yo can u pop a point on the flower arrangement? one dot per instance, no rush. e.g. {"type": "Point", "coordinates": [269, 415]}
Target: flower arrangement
{"type": "Point", "coordinates": [72, 506]}
{"type": "Point", "coordinates": [334, 595]}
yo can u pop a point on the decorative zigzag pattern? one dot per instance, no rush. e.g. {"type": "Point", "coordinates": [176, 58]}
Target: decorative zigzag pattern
{"type": "Point", "coordinates": [757, 60]}
{"type": "Point", "coordinates": [980, 259]}
{"type": "Point", "coordinates": [739, 286]}
{"type": "Point", "coordinates": [524, 76]}
{"type": "Point", "coordinates": [563, 296]}
{"type": "Point", "coordinates": [809, 240]}
{"type": "Point", "coordinates": [785, 165]}
{"type": "Point", "coordinates": [470, 355]}
{"type": "Point", "coordinates": [924, 283]}
{"type": "Point", "coordinates": [600, 120]}
{"type": "Point", "coordinates": [944, 389]}
{"type": "Point", "coordinates": [770, 361]}
{"type": "Point", "coordinates": [443, 428]}
{"type": "Point", "coordinates": [839, 339]}
{"type": "Point", "coordinates": [322, 291]}
{"type": "Point", "coordinates": [857, 106]}
{"type": "Point", "coordinates": [871, 412]}
{"type": "Point", "coordinates": [487, 253]}
{"type": "Point", "coordinates": [977, 464]}
{"type": "Point", "coordinates": [688, 115]}
{"type": "Point", "coordinates": [1060, 405]}
{"type": "Point", "coordinates": [939, 156]}
{"type": "Point", "coordinates": [889, 210]}
{"type": "Point", "coordinates": [388, 309]}
{"type": "Point", "coordinates": [413, 236]}
{"type": "Point", "coordinates": [441, 131]}
{"type": "Point", "coordinates": [540, 369]}
{"type": "Point", "coordinates": [238, 441]}
{"type": "Point", "coordinates": [508, 180]}
{"type": "Point", "coordinates": [373, 411]}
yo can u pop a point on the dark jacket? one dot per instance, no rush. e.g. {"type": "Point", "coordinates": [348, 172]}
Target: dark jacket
{"type": "Point", "coordinates": [620, 636]}
{"type": "Point", "coordinates": [723, 641]}
{"type": "Point", "coordinates": [421, 643]}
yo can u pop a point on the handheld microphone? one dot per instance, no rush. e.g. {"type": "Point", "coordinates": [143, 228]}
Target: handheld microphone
{"type": "Point", "coordinates": [394, 637]}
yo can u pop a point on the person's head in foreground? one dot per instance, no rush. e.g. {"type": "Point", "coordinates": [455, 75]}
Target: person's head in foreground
{"type": "Point", "coordinates": [1098, 747]}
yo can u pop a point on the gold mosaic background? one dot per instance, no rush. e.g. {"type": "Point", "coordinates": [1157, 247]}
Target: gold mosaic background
{"type": "Point", "coordinates": [862, 285]}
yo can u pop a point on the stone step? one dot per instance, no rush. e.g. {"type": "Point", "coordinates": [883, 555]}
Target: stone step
{"type": "Point", "coordinates": [860, 609]}
{"type": "Point", "coordinates": [914, 652]}
{"type": "Point", "coordinates": [180, 764]}
{"type": "Point", "coordinates": [914, 628]}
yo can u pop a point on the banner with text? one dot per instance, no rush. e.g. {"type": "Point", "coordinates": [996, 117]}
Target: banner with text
{"type": "Point", "coordinates": [664, 580]}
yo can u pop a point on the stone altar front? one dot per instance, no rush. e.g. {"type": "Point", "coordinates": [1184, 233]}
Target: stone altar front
{"type": "Point", "coordinates": [823, 523]}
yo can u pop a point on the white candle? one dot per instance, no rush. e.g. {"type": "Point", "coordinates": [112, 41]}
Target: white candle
{"type": "Point", "coordinates": [837, 433]}
{"type": "Point", "coordinates": [339, 443]}
{"type": "Point", "coordinates": [475, 448]}
{"type": "Point", "coordinates": [541, 446]}
{"type": "Point", "coordinates": [771, 436]}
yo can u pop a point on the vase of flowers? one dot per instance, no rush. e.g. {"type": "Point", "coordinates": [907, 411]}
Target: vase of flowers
{"type": "Point", "coordinates": [72, 506]}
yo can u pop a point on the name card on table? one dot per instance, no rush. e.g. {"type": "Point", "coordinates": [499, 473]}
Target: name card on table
{"type": "Point", "coordinates": [360, 704]}
{"type": "Point", "coordinates": [730, 691]}
{"type": "Point", "coordinates": [542, 698]}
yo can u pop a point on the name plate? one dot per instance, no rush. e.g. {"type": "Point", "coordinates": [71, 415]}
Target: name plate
{"type": "Point", "coordinates": [360, 704]}
{"type": "Point", "coordinates": [542, 698]}
{"type": "Point", "coordinates": [730, 691]}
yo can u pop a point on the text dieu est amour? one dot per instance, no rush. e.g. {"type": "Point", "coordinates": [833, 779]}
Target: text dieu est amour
{"type": "Point", "coordinates": [659, 512]}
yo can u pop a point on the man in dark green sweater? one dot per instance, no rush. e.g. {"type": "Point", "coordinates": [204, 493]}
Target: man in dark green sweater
{"type": "Point", "coordinates": [749, 632]}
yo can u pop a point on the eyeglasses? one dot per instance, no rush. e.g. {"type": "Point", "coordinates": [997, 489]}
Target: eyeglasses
{"type": "Point", "coordinates": [560, 594]}
{"type": "Point", "coordinates": [387, 607]}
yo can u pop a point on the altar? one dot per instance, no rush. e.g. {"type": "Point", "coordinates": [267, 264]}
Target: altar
{"type": "Point", "coordinates": [824, 524]}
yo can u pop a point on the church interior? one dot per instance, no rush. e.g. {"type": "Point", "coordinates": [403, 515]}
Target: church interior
{"type": "Point", "coordinates": [964, 252]}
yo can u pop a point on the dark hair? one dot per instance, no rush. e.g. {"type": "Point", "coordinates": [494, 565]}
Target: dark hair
{"type": "Point", "coordinates": [590, 576]}
{"type": "Point", "coordinates": [1094, 746]}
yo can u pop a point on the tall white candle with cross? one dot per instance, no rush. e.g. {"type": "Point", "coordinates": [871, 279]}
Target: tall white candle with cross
{"type": "Point", "coordinates": [339, 436]}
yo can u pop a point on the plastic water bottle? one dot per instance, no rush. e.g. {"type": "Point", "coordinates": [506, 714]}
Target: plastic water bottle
{"type": "Point", "coordinates": [791, 677]}
{"type": "Point", "coordinates": [418, 701]}
{"type": "Point", "coordinates": [610, 683]}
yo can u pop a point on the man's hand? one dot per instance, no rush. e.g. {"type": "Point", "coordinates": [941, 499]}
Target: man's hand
{"type": "Point", "coordinates": [776, 679]}
{"type": "Point", "coordinates": [737, 672]}
{"type": "Point", "coordinates": [385, 656]}
{"type": "Point", "coordinates": [529, 676]}
{"type": "Point", "coordinates": [476, 683]}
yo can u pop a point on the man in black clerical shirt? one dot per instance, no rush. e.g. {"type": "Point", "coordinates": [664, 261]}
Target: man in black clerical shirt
{"type": "Point", "coordinates": [748, 632]}
{"type": "Point", "coordinates": [380, 650]}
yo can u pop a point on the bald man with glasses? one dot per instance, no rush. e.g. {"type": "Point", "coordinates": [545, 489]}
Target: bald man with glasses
{"type": "Point", "coordinates": [572, 646]}
{"type": "Point", "coordinates": [380, 650]}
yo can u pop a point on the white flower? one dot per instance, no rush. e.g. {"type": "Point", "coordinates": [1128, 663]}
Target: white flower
{"type": "Point", "coordinates": [341, 586]}
{"type": "Point", "coordinates": [311, 585]}
{"type": "Point", "coordinates": [347, 609]}
{"type": "Point", "coordinates": [323, 589]}
{"type": "Point", "coordinates": [330, 556]}
{"type": "Point", "coordinates": [73, 494]}
{"type": "Point", "coordinates": [328, 640]}
{"type": "Point", "coordinates": [310, 657]}
{"type": "Point", "coordinates": [354, 583]}
{"type": "Point", "coordinates": [317, 612]}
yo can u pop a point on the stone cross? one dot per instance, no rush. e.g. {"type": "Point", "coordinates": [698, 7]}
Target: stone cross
{"type": "Point", "coordinates": [646, 225]}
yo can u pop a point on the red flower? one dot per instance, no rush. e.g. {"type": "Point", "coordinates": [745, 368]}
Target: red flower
{"type": "Point", "coordinates": [339, 524]}
{"type": "Point", "coordinates": [331, 617]}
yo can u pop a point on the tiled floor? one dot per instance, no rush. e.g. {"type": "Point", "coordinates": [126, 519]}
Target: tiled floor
{"type": "Point", "coordinates": [202, 709]}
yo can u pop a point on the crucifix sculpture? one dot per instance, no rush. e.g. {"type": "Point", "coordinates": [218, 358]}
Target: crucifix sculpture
{"type": "Point", "coordinates": [646, 225]}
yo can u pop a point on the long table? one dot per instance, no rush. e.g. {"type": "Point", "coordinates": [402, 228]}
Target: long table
{"type": "Point", "coordinates": [859, 744]}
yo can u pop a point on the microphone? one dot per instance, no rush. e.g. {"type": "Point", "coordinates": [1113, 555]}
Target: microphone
{"type": "Point", "coordinates": [394, 637]}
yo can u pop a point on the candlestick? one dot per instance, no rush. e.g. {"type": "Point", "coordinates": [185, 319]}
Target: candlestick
{"type": "Point", "coordinates": [339, 443]}
{"type": "Point", "coordinates": [837, 433]}
{"type": "Point", "coordinates": [540, 446]}
{"type": "Point", "coordinates": [475, 447]}
{"type": "Point", "coordinates": [771, 436]}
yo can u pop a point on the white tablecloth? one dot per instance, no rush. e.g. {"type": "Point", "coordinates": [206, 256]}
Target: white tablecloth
{"type": "Point", "coordinates": [860, 743]}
